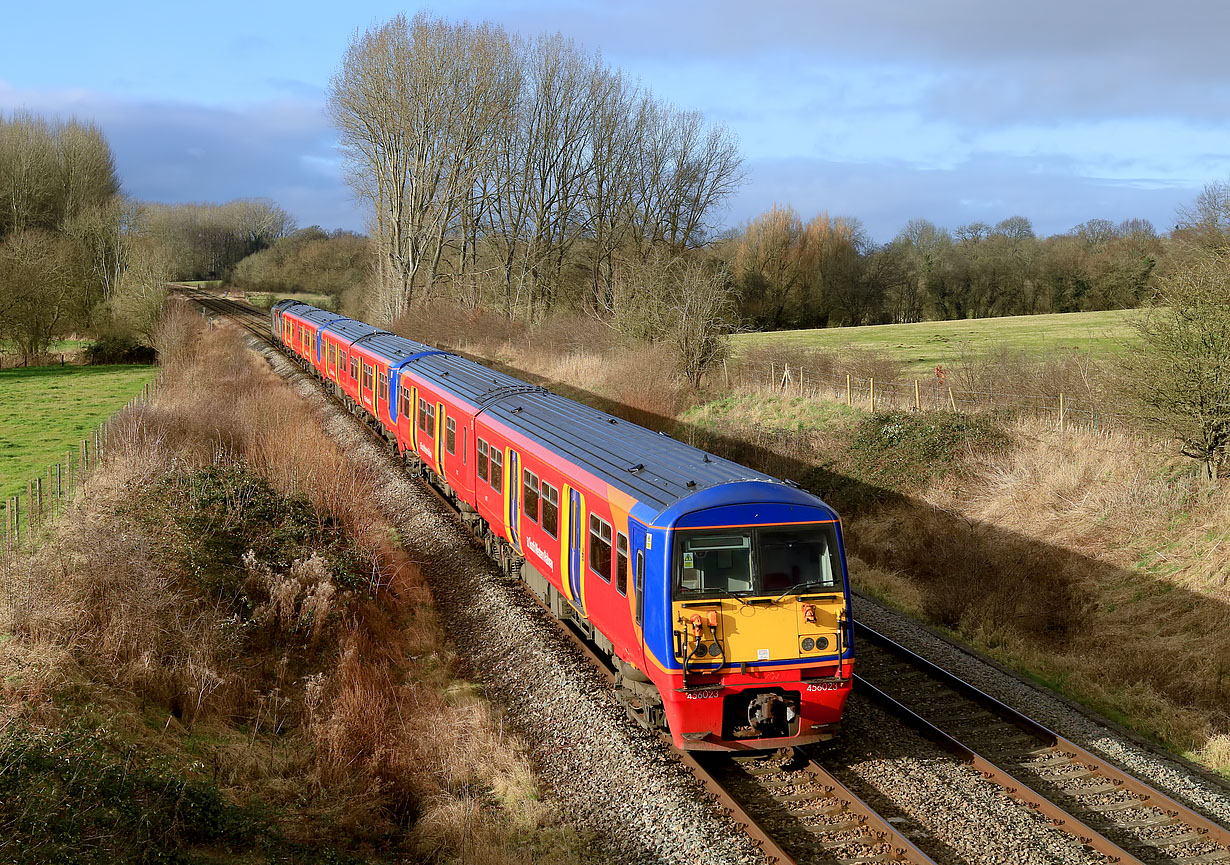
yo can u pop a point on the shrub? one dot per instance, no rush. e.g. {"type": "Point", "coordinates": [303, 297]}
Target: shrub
{"type": "Point", "coordinates": [116, 348]}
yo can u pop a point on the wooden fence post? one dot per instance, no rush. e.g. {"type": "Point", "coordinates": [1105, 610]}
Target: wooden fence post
{"type": "Point", "coordinates": [848, 398]}
{"type": "Point", "coordinates": [871, 390]}
{"type": "Point", "coordinates": [917, 397]}
{"type": "Point", "coordinates": [951, 401]}
{"type": "Point", "coordinates": [726, 373]}
{"type": "Point", "coordinates": [1061, 407]}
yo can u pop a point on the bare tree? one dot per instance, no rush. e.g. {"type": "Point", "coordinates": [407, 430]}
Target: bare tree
{"type": "Point", "coordinates": [36, 271]}
{"type": "Point", "coordinates": [417, 102]}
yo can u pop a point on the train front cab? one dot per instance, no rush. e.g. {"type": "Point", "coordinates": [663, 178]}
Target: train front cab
{"type": "Point", "coordinates": [756, 620]}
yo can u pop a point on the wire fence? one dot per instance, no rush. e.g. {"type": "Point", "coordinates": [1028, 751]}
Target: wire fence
{"type": "Point", "coordinates": [932, 394]}
{"type": "Point", "coordinates": [27, 515]}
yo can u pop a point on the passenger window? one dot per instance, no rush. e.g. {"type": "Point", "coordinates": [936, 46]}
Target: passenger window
{"type": "Point", "coordinates": [529, 495]}
{"type": "Point", "coordinates": [600, 546]}
{"type": "Point", "coordinates": [422, 415]}
{"type": "Point", "coordinates": [482, 459]}
{"type": "Point", "coordinates": [621, 563]}
{"type": "Point", "coordinates": [450, 435]}
{"type": "Point", "coordinates": [407, 404]}
{"type": "Point", "coordinates": [497, 470]}
{"type": "Point", "coordinates": [384, 384]}
{"type": "Point", "coordinates": [550, 510]}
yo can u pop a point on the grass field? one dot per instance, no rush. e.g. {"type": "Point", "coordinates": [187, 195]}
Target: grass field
{"type": "Point", "coordinates": [45, 411]}
{"type": "Point", "coordinates": [266, 299]}
{"type": "Point", "coordinates": [923, 346]}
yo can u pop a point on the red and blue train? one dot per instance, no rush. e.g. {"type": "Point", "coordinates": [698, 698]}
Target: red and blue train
{"type": "Point", "coordinates": [720, 594]}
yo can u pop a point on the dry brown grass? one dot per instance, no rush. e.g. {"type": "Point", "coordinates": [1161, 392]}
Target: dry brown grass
{"type": "Point", "coordinates": [347, 704]}
{"type": "Point", "coordinates": [1143, 537]}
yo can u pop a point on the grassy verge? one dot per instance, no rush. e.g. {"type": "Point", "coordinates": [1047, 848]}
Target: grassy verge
{"type": "Point", "coordinates": [45, 411]}
{"type": "Point", "coordinates": [224, 655]}
{"type": "Point", "coordinates": [920, 347]}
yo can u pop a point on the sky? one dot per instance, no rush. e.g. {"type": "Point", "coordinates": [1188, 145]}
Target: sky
{"type": "Point", "coordinates": [956, 111]}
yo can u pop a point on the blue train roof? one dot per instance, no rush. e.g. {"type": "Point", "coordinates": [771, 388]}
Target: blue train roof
{"type": "Point", "coordinates": [653, 467]}
{"type": "Point", "coordinates": [318, 316]}
{"type": "Point", "coordinates": [393, 349]}
{"type": "Point", "coordinates": [351, 330]}
{"type": "Point", "coordinates": [474, 383]}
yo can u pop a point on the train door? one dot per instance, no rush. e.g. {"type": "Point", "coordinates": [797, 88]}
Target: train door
{"type": "Point", "coordinates": [574, 541]}
{"type": "Point", "coordinates": [512, 498]}
{"type": "Point", "coordinates": [636, 540]}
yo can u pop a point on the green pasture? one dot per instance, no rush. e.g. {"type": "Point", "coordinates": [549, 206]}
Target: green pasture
{"type": "Point", "coordinates": [925, 345]}
{"type": "Point", "coordinates": [47, 410]}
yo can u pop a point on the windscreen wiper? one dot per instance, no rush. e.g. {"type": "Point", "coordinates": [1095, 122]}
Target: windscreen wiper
{"type": "Point", "coordinates": [799, 587]}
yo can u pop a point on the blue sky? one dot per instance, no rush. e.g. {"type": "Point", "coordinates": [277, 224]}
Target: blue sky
{"type": "Point", "coordinates": [951, 110]}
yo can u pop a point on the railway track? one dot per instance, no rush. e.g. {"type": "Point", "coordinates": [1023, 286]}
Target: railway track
{"type": "Point", "coordinates": [798, 812]}
{"type": "Point", "coordinates": [1099, 805]}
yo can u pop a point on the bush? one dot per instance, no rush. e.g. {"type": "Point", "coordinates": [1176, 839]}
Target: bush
{"type": "Point", "coordinates": [116, 348]}
{"type": "Point", "coordinates": [905, 450]}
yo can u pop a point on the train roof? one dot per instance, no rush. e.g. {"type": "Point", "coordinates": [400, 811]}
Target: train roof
{"type": "Point", "coordinates": [653, 467]}
{"type": "Point", "coordinates": [471, 381]}
{"type": "Point", "coordinates": [318, 317]}
{"type": "Point", "coordinates": [392, 348]}
{"type": "Point", "coordinates": [351, 330]}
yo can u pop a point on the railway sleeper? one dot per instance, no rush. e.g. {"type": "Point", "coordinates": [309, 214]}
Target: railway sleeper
{"type": "Point", "coordinates": [1171, 839]}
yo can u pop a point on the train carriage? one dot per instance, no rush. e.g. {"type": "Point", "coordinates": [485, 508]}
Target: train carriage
{"type": "Point", "coordinates": [720, 594]}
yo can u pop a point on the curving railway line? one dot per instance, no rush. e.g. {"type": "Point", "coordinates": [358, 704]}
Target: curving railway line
{"type": "Point", "coordinates": [798, 812]}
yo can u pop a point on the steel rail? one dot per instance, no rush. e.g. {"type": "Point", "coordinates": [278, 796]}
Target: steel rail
{"type": "Point", "coordinates": [1148, 796]}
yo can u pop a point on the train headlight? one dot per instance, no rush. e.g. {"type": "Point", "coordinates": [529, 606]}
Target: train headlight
{"type": "Point", "coordinates": [808, 644]}
{"type": "Point", "coordinates": [822, 642]}
{"type": "Point", "coordinates": [714, 650]}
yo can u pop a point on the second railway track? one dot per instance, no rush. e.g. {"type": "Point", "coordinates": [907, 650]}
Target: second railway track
{"type": "Point", "coordinates": [1092, 800]}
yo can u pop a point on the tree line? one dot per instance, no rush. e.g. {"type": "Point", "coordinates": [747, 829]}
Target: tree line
{"type": "Point", "coordinates": [77, 257]}
{"type": "Point", "coordinates": [827, 272]}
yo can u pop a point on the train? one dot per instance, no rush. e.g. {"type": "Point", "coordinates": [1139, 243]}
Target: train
{"type": "Point", "coordinates": [720, 595]}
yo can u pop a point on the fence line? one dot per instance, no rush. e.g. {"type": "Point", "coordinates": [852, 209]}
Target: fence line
{"type": "Point", "coordinates": [48, 496]}
{"type": "Point", "coordinates": [933, 395]}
